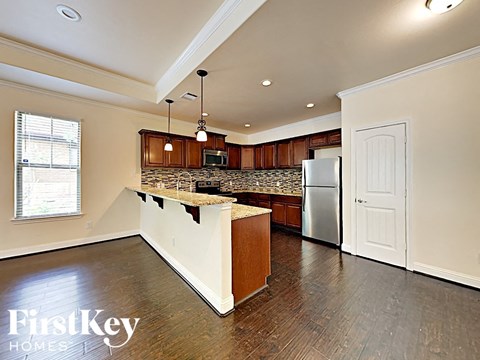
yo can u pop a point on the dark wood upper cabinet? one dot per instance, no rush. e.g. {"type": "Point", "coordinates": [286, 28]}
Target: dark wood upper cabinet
{"type": "Point", "coordinates": [317, 140]}
{"type": "Point", "coordinates": [215, 142]}
{"type": "Point", "coordinates": [233, 156]}
{"type": "Point", "coordinates": [193, 154]}
{"type": "Point", "coordinates": [248, 158]}
{"type": "Point", "coordinates": [269, 156]}
{"type": "Point", "coordinates": [299, 151]}
{"type": "Point", "coordinates": [176, 158]}
{"type": "Point", "coordinates": [259, 157]}
{"type": "Point", "coordinates": [153, 154]}
{"type": "Point", "coordinates": [335, 137]}
{"type": "Point", "coordinates": [284, 154]}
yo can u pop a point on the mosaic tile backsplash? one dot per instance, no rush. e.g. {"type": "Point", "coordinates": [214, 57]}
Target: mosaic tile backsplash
{"type": "Point", "coordinates": [288, 180]}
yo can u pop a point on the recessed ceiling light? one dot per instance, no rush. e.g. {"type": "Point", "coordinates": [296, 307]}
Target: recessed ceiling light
{"type": "Point", "coordinates": [310, 105]}
{"type": "Point", "coordinates": [266, 82]}
{"type": "Point", "coordinates": [441, 6]}
{"type": "Point", "coordinates": [68, 13]}
{"type": "Point", "coordinates": [247, 125]}
{"type": "Point", "coordinates": [205, 114]}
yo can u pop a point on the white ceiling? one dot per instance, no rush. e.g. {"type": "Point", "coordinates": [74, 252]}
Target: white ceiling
{"type": "Point", "coordinates": [140, 52]}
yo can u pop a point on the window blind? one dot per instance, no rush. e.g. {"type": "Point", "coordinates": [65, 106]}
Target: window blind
{"type": "Point", "coordinates": [47, 166]}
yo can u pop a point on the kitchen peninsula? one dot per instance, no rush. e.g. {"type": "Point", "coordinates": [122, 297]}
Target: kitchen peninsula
{"type": "Point", "coordinates": [220, 248]}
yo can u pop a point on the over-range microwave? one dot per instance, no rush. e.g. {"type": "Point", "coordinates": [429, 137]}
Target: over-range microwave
{"type": "Point", "coordinates": [215, 158]}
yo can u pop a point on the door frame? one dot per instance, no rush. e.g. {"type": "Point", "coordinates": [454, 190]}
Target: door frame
{"type": "Point", "coordinates": [408, 185]}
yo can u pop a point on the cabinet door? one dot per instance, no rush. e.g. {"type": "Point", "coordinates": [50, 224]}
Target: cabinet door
{"type": "Point", "coordinates": [335, 137]}
{"type": "Point", "coordinates": [299, 151]}
{"type": "Point", "coordinates": [176, 158]}
{"type": "Point", "coordinates": [293, 216]}
{"type": "Point", "coordinates": [252, 202]}
{"type": "Point", "coordinates": [210, 143]}
{"type": "Point", "coordinates": [259, 157]}
{"type": "Point", "coordinates": [320, 139]}
{"type": "Point", "coordinates": [193, 154]}
{"type": "Point", "coordinates": [269, 156]}
{"type": "Point", "coordinates": [283, 154]}
{"type": "Point", "coordinates": [153, 154]}
{"type": "Point", "coordinates": [219, 142]}
{"type": "Point", "coordinates": [278, 213]}
{"type": "Point", "coordinates": [248, 158]}
{"type": "Point", "coordinates": [233, 157]}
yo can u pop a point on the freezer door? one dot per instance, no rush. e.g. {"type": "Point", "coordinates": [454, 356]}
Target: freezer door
{"type": "Point", "coordinates": [321, 172]}
{"type": "Point", "coordinates": [321, 214]}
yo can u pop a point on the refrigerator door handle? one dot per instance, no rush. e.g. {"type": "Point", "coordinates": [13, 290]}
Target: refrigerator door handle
{"type": "Point", "coordinates": [303, 198]}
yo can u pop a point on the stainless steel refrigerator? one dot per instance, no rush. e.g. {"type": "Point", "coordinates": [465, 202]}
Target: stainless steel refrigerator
{"type": "Point", "coordinates": [321, 206]}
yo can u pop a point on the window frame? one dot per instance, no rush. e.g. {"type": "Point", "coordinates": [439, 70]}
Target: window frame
{"type": "Point", "coordinates": [19, 165]}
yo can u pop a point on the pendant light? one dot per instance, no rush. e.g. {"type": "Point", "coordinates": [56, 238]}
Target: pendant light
{"type": "Point", "coordinates": [442, 6]}
{"type": "Point", "coordinates": [201, 133]}
{"type": "Point", "coordinates": [168, 144]}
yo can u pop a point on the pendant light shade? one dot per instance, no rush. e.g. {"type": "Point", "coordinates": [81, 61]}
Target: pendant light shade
{"type": "Point", "coordinates": [201, 133]}
{"type": "Point", "coordinates": [168, 144]}
{"type": "Point", "coordinates": [441, 6]}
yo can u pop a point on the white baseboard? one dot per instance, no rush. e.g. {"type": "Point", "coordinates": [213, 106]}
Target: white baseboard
{"type": "Point", "coordinates": [447, 274]}
{"type": "Point", "coordinates": [346, 248]}
{"type": "Point", "coordinates": [223, 306]}
{"type": "Point", "coordinates": [30, 250]}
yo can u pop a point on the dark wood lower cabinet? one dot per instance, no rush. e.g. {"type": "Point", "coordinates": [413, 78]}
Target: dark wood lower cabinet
{"type": "Point", "coordinates": [278, 213]}
{"type": "Point", "coordinates": [293, 216]}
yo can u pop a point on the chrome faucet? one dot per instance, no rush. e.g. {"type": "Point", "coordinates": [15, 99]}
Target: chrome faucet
{"type": "Point", "coordinates": [178, 179]}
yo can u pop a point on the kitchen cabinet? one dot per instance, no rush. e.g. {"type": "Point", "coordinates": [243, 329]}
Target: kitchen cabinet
{"type": "Point", "coordinates": [335, 137]}
{"type": "Point", "coordinates": [278, 213]}
{"type": "Point", "coordinates": [153, 154]}
{"type": "Point", "coordinates": [247, 158]}
{"type": "Point", "coordinates": [318, 140]}
{"type": "Point", "coordinates": [193, 154]}
{"type": "Point", "coordinates": [269, 156]}
{"type": "Point", "coordinates": [287, 210]}
{"type": "Point", "coordinates": [233, 156]}
{"type": "Point", "coordinates": [299, 148]}
{"type": "Point", "coordinates": [215, 142]}
{"type": "Point", "coordinates": [259, 157]}
{"type": "Point", "coordinates": [284, 154]}
{"type": "Point", "coordinates": [175, 158]}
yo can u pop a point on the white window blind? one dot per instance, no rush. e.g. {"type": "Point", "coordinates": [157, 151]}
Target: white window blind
{"type": "Point", "coordinates": [47, 166]}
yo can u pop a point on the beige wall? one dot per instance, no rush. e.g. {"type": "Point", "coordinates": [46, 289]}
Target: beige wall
{"type": "Point", "coordinates": [443, 107]}
{"type": "Point", "coordinates": [110, 161]}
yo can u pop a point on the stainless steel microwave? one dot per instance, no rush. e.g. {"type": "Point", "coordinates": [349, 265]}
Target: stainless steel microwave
{"type": "Point", "coordinates": [215, 158]}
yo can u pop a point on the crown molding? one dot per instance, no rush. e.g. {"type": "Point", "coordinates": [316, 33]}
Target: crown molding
{"type": "Point", "coordinates": [228, 18]}
{"type": "Point", "coordinates": [461, 56]}
{"type": "Point", "coordinates": [147, 91]}
{"type": "Point", "coordinates": [81, 100]}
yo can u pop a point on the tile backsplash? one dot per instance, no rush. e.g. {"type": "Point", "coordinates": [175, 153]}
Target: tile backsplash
{"type": "Point", "coordinates": [288, 180]}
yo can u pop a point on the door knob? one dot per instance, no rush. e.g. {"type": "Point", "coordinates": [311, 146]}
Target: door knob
{"type": "Point", "coordinates": [360, 201]}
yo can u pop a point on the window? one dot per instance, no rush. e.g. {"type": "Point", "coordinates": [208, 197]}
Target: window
{"type": "Point", "coordinates": [47, 166]}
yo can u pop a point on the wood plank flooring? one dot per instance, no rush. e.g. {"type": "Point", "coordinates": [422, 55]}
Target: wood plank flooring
{"type": "Point", "coordinates": [320, 304]}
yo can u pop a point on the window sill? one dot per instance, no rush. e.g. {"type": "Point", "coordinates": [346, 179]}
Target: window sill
{"type": "Point", "coordinates": [40, 219]}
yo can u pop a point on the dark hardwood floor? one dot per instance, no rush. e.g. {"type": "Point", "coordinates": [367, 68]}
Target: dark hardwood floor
{"type": "Point", "coordinates": [320, 305]}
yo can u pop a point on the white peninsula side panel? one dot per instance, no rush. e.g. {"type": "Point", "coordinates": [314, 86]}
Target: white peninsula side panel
{"type": "Point", "coordinates": [201, 253]}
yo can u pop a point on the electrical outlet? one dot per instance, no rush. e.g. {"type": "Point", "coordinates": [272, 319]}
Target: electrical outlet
{"type": "Point", "coordinates": [278, 183]}
{"type": "Point", "coordinates": [231, 183]}
{"type": "Point", "coordinates": [89, 225]}
{"type": "Point", "coordinates": [173, 241]}
{"type": "Point", "coordinates": [257, 183]}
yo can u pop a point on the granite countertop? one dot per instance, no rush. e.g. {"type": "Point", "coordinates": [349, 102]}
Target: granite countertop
{"type": "Point", "coordinates": [269, 192]}
{"type": "Point", "coordinates": [183, 197]}
{"type": "Point", "coordinates": [245, 211]}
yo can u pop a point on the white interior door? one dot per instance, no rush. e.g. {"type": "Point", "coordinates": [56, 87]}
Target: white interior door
{"type": "Point", "coordinates": [381, 194]}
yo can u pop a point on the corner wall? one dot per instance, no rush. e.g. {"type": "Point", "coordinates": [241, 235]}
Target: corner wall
{"type": "Point", "coordinates": [442, 106]}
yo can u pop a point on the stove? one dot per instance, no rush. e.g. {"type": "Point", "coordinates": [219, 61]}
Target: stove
{"type": "Point", "coordinates": [211, 187]}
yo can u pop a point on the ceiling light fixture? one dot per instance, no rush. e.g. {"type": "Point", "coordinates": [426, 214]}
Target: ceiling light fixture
{"type": "Point", "coordinates": [168, 144]}
{"type": "Point", "coordinates": [310, 105]}
{"type": "Point", "coordinates": [442, 6]}
{"type": "Point", "coordinates": [205, 114]}
{"type": "Point", "coordinates": [247, 125]}
{"type": "Point", "coordinates": [68, 13]}
{"type": "Point", "coordinates": [266, 82]}
{"type": "Point", "coordinates": [201, 133]}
